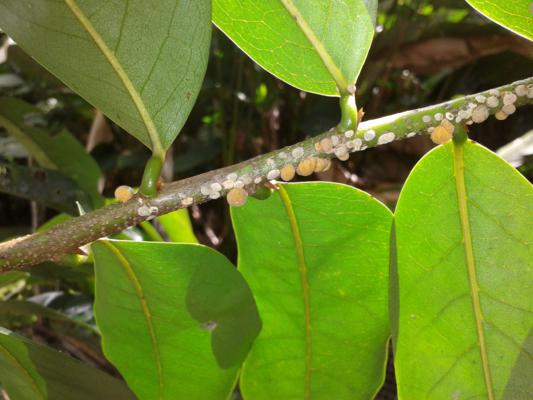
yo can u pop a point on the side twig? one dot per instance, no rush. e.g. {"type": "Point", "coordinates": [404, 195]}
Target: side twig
{"type": "Point", "coordinates": [252, 174]}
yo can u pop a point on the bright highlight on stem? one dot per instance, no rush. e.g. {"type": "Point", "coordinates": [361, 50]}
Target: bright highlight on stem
{"type": "Point", "coordinates": [348, 113]}
{"type": "Point", "coordinates": [152, 170]}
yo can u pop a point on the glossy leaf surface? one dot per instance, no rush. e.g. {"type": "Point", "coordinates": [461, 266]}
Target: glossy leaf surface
{"type": "Point", "coordinates": [141, 63]}
{"type": "Point", "coordinates": [464, 228]}
{"type": "Point", "coordinates": [56, 151]}
{"type": "Point", "coordinates": [316, 46]}
{"type": "Point", "coordinates": [515, 15]}
{"type": "Point", "coordinates": [32, 371]}
{"type": "Point", "coordinates": [316, 258]}
{"type": "Point", "coordinates": [169, 314]}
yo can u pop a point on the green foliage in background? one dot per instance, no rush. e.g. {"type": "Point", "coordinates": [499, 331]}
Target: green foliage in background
{"type": "Point", "coordinates": [55, 151]}
{"type": "Point", "coordinates": [33, 371]}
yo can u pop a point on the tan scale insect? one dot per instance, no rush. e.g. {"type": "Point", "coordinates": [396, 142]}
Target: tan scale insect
{"type": "Point", "coordinates": [124, 193]}
{"type": "Point", "coordinates": [236, 197]}
{"type": "Point", "coordinates": [306, 167]}
{"type": "Point", "coordinates": [287, 172]}
{"type": "Point", "coordinates": [326, 145]}
{"type": "Point", "coordinates": [500, 115]}
{"type": "Point", "coordinates": [442, 133]}
{"type": "Point", "coordinates": [327, 164]}
{"type": "Point", "coordinates": [321, 164]}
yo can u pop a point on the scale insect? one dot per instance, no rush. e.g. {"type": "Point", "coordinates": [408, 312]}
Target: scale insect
{"type": "Point", "coordinates": [288, 172]}
{"type": "Point", "coordinates": [442, 133]}
{"type": "Point", "coordinates": [306, 167]}
{"type": "Point", "coordinates": [237, 197]}
{"type": "Point", "coordinates": [123, 193]}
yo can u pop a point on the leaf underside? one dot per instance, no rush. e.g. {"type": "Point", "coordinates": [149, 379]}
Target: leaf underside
{"type": "Point", "coordinates": [59, 151]}
{"type": "Point", "coordinates": [141, 64]}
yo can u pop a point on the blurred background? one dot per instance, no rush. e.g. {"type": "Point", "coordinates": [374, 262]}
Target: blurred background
{"type": "Point", "coordinates": [423, 53]}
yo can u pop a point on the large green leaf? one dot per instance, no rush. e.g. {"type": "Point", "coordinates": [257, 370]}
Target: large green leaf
{"type": "Point", "coordinates": [515, 15]}
{"type": "Point", "coordinates": [464, 227]}
{"type": "Point", "coordinates": [169, 314]}
{"type": "Point", "coordinates": [31, 371]}
{"type": "Point", "coordinates": [59, 151]}
{"type": "Point", "coordinates": [141, 63]}
{"type": "Point", "coordinates": [317, 46]}
{"type": "Point", "coordinates": [316, 258]}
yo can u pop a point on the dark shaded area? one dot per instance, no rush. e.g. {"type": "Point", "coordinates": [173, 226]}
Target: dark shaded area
{"type": "Point", "coordinates": [220, 300]}
{"type": "Point", "coordinates": [50, 188]}
{"type": "Point", "coordinates": [520, 384]}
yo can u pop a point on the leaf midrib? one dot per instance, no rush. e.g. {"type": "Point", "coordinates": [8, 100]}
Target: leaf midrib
{"type": "Point", "coordinates": [145, 309]}
{"type": "Point", "coordinates": [302, 268]}
{"type": "Point", "coordinates": [333, 69]}
{"type": "Point", "coordinates": [157, 147]}
{"type": "Point", "coordinates": [462, 201]}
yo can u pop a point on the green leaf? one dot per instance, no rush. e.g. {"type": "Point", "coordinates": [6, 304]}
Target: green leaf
{"type": "Point", "coordinates": [55, 220]}
{"type": "Point", "coordinates": [178, 227]}
{"type": "Point", "coordinates": [48, 187]}
{"type": "Point", "coordinates": [23, 308]}
{"type": "Point", "coordinates": [318, 47]}
{"type": "Point", "coordinates": [10, 277]}
{"type": "Point", "coordinates": [141, 63]}
{"type": "Point", "coordinates": [59, 151]}
{"type": "Point", "coordinates": [146, 293]}
{"type": "Point", "coordinates": [12, 282]}
{"type": "Point", "coordinates": [29, 69]}
{"type": "Point", "coordinates": [464, 226]}
{"type": "Point", "coordinates": [150, 232]}
{"type": "Point", "coordinates": [316, 258]}
{"type": "Point", "coordinates": [515, 15]}
{"type": "Point", "coordinates": [79, 276]}
{"type": "Point", "coordinates": [32, 371]}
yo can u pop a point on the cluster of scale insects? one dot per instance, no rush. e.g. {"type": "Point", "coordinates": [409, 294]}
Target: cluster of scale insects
{"type": "Point", "coordinates": [295, 163]}
{"type": "Point", "coordinates": [477, 112]}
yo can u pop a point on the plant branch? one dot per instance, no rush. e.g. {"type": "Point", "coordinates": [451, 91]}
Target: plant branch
{"type": "Point", "coordinates": [252, 174]}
